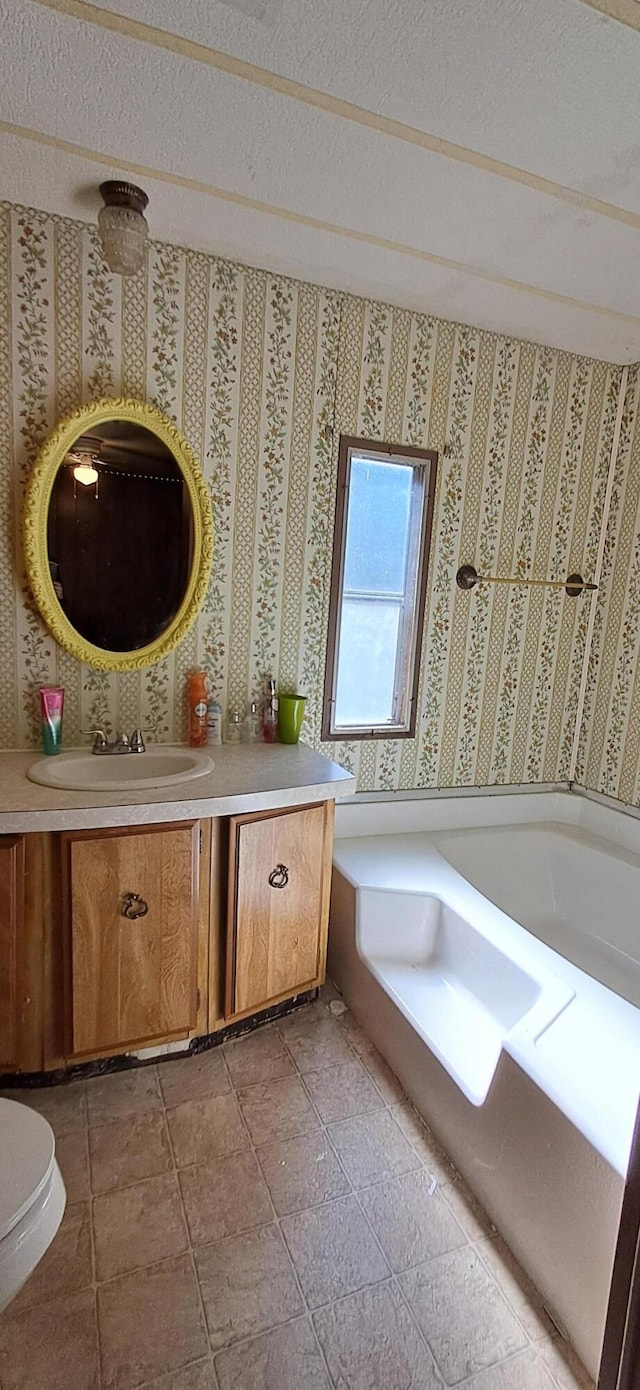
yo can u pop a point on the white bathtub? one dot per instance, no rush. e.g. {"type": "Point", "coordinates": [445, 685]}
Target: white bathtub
{"type": "Point", "coordinates": [575, 891]}
{"type": "Point", "coordinates": [490, 945]}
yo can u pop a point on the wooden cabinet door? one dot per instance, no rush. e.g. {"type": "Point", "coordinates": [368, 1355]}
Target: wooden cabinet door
{"type": "Point", "coordinates": [11, 940]}
{"type": "Point", "coordinates": [279, 879]}
{"type": "Point", "coordinates": [131, 907]}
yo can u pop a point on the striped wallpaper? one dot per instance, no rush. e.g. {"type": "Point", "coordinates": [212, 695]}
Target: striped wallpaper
{"type": "Point", "coordinates": [262, 374]}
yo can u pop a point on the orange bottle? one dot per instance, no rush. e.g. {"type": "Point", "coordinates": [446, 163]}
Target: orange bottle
{"type": "Point", "coordinates": [197, 696]}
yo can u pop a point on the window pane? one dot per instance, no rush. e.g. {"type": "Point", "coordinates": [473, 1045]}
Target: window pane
{"type": "Point", "coordinates": [377, 526]}
{"type": "Point", "coordinates": [367, 661]}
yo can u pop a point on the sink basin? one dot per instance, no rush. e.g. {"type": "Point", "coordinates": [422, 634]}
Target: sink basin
{"type": "Point", "coordinates": [162, 766]}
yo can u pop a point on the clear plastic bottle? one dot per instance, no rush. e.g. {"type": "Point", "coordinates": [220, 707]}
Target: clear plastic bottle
{"type": "Point", "coordinates": [269, 722]}
{"type": "Point", "coordinates": [251, 731]}
{"type": "Point", "coordinates": [234, 727]}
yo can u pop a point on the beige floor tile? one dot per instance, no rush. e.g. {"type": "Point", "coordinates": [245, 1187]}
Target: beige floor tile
{"type": "Point", "coordinates": [52, 1347]}
{"type": "Point", "coordinates": [288, 1358]}
{"type": "Point", "coordinates": [260, 1056]}
{"type": "Point", "coordinates": [462, 1314]}
{"type": "Point", "coordinates": [360, 1041]}
{"type": "Point", "coordinates": [391, 1090]}
{"type": "Point", "coordinates": [522, 1372]}
{"type": "Point", "coordinates": [67, 1265]}
{"type": "Point", "coordinates": [371, 1343]}
{"type": "Point", "coordinates": [320, 1043]}
{"type": "Point", "coordinates": [373, 1148]}
{"type": "Point", "coordinates": [467, 1210]}
{"type": "Point", "coordinates": [564, 1365]}
{"type": "Point", "coordinates": [64, 1106]}
{"type": "Point", "coordinates": [300, 1019]}
{"type": "Point", "coordinates": [333, 1251]}
{"type": "Point", "coordinates": [138, 1225]}
{"type": "Point", "coordinates": [225, 1197]}
{"type": "Point", "coordinates": [150, 1323]}
{"type": "Point", "coordinates": [123, 1093]}
{"type": "Point", "coordinates": [188, 1078]}
{"type": "Point", "coordinates": [517, 1288]}
{"type": "Point", "coordinates": [302, 1172]}
{"type": "Point", "coordinates": [72, 1153]}
{"type": "Point", "coordinates": [277, 1110]}
{"type": "Point", "coordinates": [205, 1129]}
{"type": "Point", "coordinates": [247, 1284]}
{"type": "Point", "coordinates": [342, 1091]}
{"type": "Point", "coordinates": [411, 1225]}
{"type": "Point", "coordinates": [128, 1151]}
{"type": "Point", "coordinates": [199, 1376]}
{"type": "Point", "coordinates": [329, 992]}
{"type": "Point", "coordinates": [424, 1142]}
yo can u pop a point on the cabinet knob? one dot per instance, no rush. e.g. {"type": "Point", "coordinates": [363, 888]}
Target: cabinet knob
{"type": "Point", "coordinates": [133, 906]}
{"type": "Point", "coordinates": [279, 877]}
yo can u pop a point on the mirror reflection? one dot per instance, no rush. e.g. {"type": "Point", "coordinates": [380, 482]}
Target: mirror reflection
{"type": "Point", "coordinates": [120, 536]}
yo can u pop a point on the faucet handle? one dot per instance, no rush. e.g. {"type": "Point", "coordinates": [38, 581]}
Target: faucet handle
{"type": "Point", "coordinates": [100, 738]}
{"type": "Point", "coordinates": [136, 742]}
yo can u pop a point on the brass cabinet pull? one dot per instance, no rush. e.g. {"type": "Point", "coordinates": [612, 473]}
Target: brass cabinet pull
{"type": "Point", "coordinates": [279, 877]}
{"type": "Point", "coordinates": [133, 906]}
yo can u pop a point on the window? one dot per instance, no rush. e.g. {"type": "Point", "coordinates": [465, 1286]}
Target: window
{"type": "Point", "coordinates": [378, 585]}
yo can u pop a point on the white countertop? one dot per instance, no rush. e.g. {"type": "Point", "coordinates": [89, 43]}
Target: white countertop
{"type": "Point", "coordinates": [247, 777]}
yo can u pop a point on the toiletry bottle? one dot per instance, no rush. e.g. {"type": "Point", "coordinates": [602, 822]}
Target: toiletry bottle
{"type": "Point", "coordinates": [251, 729]}
{"type": "Point", "coordinates": [234, 727]}
{"type": "Point", "coordinates": [270, 712]}
{"type": "Point", "coordinates": [51, 707]}
{"type": "Point", "coordinates": [197, 695]}
{"type": "Point", "coordinates": [214, 722]}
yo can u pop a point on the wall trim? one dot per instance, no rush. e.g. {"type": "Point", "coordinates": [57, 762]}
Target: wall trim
{"type": "Point", "coordinates": [111, 161]}
{"type": "Point", "coordinates": [198, 52]}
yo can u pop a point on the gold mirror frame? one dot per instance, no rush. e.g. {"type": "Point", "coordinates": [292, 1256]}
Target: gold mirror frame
{"type": "Point", "coordinates": [34, 532]}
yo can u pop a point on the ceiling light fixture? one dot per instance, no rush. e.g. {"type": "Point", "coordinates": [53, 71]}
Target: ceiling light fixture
{"type": "Point", "coordinates": [85, 473]}
{"type": "Point", "coordinates": [83, 461]}
{"type": "Point", "coordinates": [122, 226]}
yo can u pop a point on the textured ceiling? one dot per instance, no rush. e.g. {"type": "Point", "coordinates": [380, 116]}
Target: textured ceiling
{"type": "Point", "coordinates": [476, 158]}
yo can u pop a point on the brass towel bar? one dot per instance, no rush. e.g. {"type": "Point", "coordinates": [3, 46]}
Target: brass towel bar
{"type": "Point", "coordinates": [467, 578]}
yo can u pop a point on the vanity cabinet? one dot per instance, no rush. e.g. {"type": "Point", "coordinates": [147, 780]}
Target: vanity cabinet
{"type": "Point", "coordinates": [278, 905]}
{"type": "Point", "coordinates": [114, 940]}
{"type": "Point", "coordinates": [131, 913]}
{"type": "Point", "coordinates": [11, 937]}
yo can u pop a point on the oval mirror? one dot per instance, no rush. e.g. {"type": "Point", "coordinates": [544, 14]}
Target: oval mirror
{"type": "Point", "coordinates": [117, 535]}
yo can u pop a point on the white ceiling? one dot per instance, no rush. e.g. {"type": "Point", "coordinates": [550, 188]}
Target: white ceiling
{"type": "Point", "coordinates": [476, 158]}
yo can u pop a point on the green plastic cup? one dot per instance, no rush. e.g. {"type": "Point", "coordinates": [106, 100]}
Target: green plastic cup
{"type": "Point", "coordinates": [290, 717]}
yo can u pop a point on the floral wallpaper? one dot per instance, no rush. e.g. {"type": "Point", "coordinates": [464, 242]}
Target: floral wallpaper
{"type": "Point", "coordinates": [609, 748]}
{"type": "Point", "coordinates": [263, 374]}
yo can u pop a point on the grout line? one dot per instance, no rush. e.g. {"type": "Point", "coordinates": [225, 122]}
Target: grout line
{"type": "Point", "coordinates": [191, 1250]}
{"type": "Point", "coordinates": [472, 1242]}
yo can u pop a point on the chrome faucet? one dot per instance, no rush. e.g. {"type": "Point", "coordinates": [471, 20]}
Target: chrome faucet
{"type": "Point", "coordinates": [121, 743]}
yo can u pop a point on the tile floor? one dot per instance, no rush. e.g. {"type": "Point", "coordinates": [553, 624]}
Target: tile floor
{"type": "Point", "coordinates": [270, 1215]}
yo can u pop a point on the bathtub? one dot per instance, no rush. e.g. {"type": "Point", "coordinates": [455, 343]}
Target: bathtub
{"type": "Point", "coordinates": [490, 946]}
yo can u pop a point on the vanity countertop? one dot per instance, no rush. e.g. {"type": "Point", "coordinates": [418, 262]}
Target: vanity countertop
{"type": "Point", "coordinates": [248, 777]}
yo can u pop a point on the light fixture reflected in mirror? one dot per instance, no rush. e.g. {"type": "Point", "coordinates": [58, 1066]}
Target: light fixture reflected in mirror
{"type": "Point", "coordinates": [83, 461]}
{"type": "Point", "coordinates": [123, 228]}
{"type": "Point", "coordinates": [85, 473]}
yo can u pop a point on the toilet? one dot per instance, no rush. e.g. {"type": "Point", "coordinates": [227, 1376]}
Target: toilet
{"type": "Point", "coordinates": [32, 1194]}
